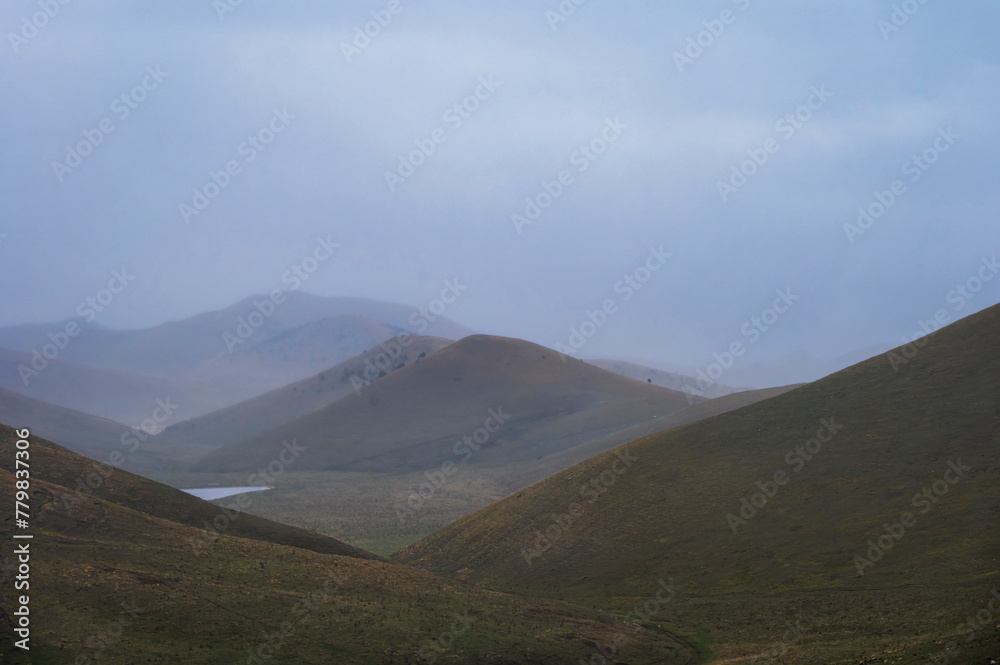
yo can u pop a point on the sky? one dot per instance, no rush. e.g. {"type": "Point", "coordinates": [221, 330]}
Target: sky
{"type": "Point", "coordinates": [663, 179]}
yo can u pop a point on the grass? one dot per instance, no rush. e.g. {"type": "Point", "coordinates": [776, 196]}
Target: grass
{"type": "Point", "coordinates": [667, 515]}
{"type": "Point", "coordinates": [240, 593]}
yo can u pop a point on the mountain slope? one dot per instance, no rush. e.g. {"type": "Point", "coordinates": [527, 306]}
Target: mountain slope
{"type": "Point", "coordinates": [281, 406]}
{"type": "Point", "coordinates": [412, 419]}
{"type": "Point", "coordinates": [660, 377]}
{"type": "Point", "coordinates": [181, 346]}
{"type": "Point", "coordinates": [112, 582]}
{"type": "Point", "coordinates": [701, 411]}
{"type": "Point", "coordinates": [812, 506]}
{"type": "Point", "coordinates": [117, 395]}
{"type": "Point", "coordinates": [95, 437]}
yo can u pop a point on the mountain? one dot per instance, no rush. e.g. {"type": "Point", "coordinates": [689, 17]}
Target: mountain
{"type": "Point", "coordinates": [798, 367]}
{"type": "Point", "coordinates": [520, 400]}
{"type": "Point", "coordinates": [99, 438]}
{"type": "Point", "coordinates": [177, 347]}
{"type": "Point", "coordinates": [849, 520]}
{"type": "Point", "coordinates": [204, 363]}
{"type": "Point", "coordinates": [130, 573]}
{"type": "Point", "coordinates": [107, 393]}
{"type": "Point", "coordinates": [281, 406]}
{"type": "Point", "coordinates": [672, 380]}
{"type": "Point", "coordinates": [557, 462]}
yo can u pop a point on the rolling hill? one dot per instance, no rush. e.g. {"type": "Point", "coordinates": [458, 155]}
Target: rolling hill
{"type": "Point", "coordinates": [850, 520]}
{"type": "Point", "coordinates": [115, 579]}
{"type": "Point", "coordinates": [519, 399]}
{"type": "Point", "coordinates": [659, 377]}
{"type": "Point", "coordinates": [281, 406]}
{"type": "Point", "coordinates": [98, 438]}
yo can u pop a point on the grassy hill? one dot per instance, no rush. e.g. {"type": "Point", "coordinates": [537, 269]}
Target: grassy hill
{"type": "Point", "coordinates": [98, 438]}
{"type": "Point", "coordinates": [533, 403]}
{"type": "Point", "coordinates": [835, 507]}
{"type": "Point", "coordinates": [115, 581]}
{"type": "Point", "coordinates": [277, 407]}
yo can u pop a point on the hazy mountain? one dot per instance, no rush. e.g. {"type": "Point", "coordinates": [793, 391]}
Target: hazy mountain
{"type": "Point", "coordinates": [113, 394]}
{"type": "Point", "coordinates": [863, 506]}
{"type": "Point", "coordinates": [659, 377]}
{"type": "Point", "coordinates": [204, 363]}
{"type": "Point", "coordinates": [532, 402]}
{"type": "Point", "coordinates": [177, 347]}
{"type": "Point", "coordinates": [281, 406]}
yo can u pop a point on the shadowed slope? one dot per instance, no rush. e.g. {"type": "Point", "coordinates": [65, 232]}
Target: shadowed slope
{"type": "Point", "coordinates": [286, 404]}
{"type": "Point", "coordinates": [853, 453]}
{"type": "Point", "coordinates": [111, 583]}
{"type": "Point", "coordinates": [412, 418]}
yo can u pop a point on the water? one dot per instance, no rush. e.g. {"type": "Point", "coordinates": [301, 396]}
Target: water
{"type": "Point", "coordinates": [213, 493]}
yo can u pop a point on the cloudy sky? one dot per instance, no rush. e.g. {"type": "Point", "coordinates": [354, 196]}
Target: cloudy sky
{"type": "Point", "coordinates": [117, 114]}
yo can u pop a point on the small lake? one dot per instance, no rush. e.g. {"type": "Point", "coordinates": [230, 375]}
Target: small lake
{"type": "Point", "coordinates": [213, 493]}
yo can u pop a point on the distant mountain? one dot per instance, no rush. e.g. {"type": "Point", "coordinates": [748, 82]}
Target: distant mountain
{"type": "Point", "coordinates": [177, 347]}
{"type": "Point", "coordinates": [106, 441]}
{"type": "Point", "coordinates": [521, 397]}
{"type": "Point", "coordinates": [206, 362]}
{"type": "Point", "coordinates": [659, 377]}
{"type": "Point", "coordinates": [278, 407]}
{"type": "Point", "coordinates": [108, 393]}
{"type": "Point", "coordinates": [861, 510]}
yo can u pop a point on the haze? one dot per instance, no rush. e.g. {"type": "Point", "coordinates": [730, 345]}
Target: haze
{"type": "Point", "coordinates": [669, 130]}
